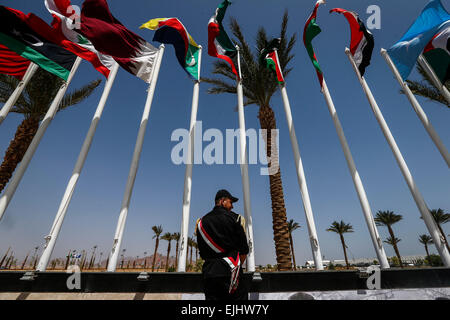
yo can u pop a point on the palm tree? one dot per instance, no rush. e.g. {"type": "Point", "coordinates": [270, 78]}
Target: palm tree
{"type": "Point", "coordinates": [176, 237]}
{"type": "Point", "coordinates": [25, 261]}
{"type": "Point", "coordinates": [33, 104]}
{"type": "Point", "coordinates": [426, 240]}
{"type": "Point", "coordinates": [440, 217]}
{"type": "Point", "coordinates": [393, 242]}
{"type": "Point", "coordinates": [259, 85]}
{"type": "Point", "coordinates": [341, 228]}
{"type": "Point", "coordinates": [388, 218]}
{"type": "Point", "coordinates": [157, 230]}
{"type": "Point", "coordinates": [426, 88]}
{"type": "Point", "coordinates": [168, 237]}
{"type": "Point", "coordinates": [145, 260]}
{"type": "Point", "coordinates": [291, 227]}
{"type": "Point", "coordinates": [190, 245]}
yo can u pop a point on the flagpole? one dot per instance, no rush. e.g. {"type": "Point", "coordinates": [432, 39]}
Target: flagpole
{"type": "Point", "coordinates": [244, 170]}
{"type": "Point", "coordinates": [420, 202]}
{"type": "Point", "coordinates": [362, 196]}
{"type": "Point", "coordinates": [437, 83]}
{"type": "Point", "coordinates": [301, 178]}
{"type": "Point", "coordinates": [18, 91]}
{"type": "Point", "coordinates": [188, 174]}
{"type": "Point", "coordinates": [20, 171]}
{"type": "Point", "coordinates": [64, 205]}
{"type": "Point", "coordinates": [114, 255]}
{"type": "Point", "coordinates": [417, 108]}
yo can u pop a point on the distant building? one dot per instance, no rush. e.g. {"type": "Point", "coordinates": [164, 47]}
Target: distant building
{"type": "Point", "coordinates": [360, 261]}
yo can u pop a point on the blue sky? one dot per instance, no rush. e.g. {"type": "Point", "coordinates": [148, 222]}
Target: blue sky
{"type": "Point", "coordinates": [157, 198]}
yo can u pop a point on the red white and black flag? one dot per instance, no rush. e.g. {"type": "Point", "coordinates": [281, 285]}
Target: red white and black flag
{"type": "Point", "coordinates": [362, 42]}
{"type": "Point", "coordinates": [12, 64]}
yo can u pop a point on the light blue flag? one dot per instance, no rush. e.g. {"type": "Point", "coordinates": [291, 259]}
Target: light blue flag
{"type": "Point", "coordinates": [405, 52]}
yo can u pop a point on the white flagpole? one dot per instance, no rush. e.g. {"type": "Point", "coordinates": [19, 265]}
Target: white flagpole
{"type": "Point", "coordinates": [20, 171]}
{"type": "Point", "coordinates": [188, 174]}
{"type": "Point", "coordinates": [429, 70]}
{"type": "Point", "coordinates": [244, 170]}
{"type": "Point", "coordinates": [64, 205]}
{"type": "Point", "coordinates": [420, 202]}
{"type": "Point", "coordinates": [417, 108]}
{"type": "Point", "coordinates": [356, 179]}
{"type": "Point", "coordinates": [18, 91]}
{"type": "Point", "coordinates": [114, 255]}
{"type": "Point", "coordinates": [313, 239]}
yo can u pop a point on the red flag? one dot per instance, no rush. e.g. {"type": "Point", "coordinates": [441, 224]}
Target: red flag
{"type": "Point", "coordinates": [13, 64]}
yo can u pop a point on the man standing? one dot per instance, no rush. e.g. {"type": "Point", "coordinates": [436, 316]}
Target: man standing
{"type": "Point", "coordinates": [223, 245]}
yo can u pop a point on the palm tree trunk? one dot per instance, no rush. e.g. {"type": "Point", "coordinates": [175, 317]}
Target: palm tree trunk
{"type": "Point", "coordinates": [428, 254]}
{"type": "Point", "coordinates": [154, 255]}
{"type": "Point", "coordinates": [167, 259]}
{"type": "Point", "coordinates": [17, 148]}
{"type": "Point", "coordinates": [391, 232]}
{"type": "Point", "coordinates": [176, 256]}
{"type": "Point", "coordinates": [4, 257]}
{"type": "Point", "coordinates": [443, 235]}
{"type": "Point", "coordinates": [279, 221]}
{"type": "Point", "coordinates": [292, 251]}
{"type": "Point", "coordinates": [345, 251]}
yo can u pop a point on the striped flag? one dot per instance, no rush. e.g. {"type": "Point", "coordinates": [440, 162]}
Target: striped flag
{"type": "Point", "coordinates": [270, 58]}
{"type": "Point", "coordinates": [310, 32]}
{"type": "Point", "coordinates": [19, 37]}
{"type": "Point", "coordinates": [219, 44]}
{"type": "Point", "coordinates": [172, 31]}
{"type": "Point", "coordinates": [12, 64]}
{"type": "Point", "coordinates": [362, 42]}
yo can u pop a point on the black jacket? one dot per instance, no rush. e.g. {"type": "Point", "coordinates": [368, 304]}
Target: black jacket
{"type": "Point", "coordinates": [226, 232]}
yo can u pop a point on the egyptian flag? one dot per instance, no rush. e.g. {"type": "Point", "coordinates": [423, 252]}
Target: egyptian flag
{"type": "Point", "coordinates": [219, 44]}
{"type": "Point", "coordinates": [362, 42]}
{"type": "Point", "coordinates": [269, 57]}
{"type": "Point", "coordinates": [172, 31]}
{"type": "Point", "coordinates": [64, 25]}
{"type": "Point", "coordinates": [437, 53]}
{"type": "Point", "coordinates": [110, 37]}
{"type": "Point", "coordinates": [12, 64]}
{"type": "Point", "coordinates": [19, 37]}
{"type": "Point", "coordinates": [310, 32]}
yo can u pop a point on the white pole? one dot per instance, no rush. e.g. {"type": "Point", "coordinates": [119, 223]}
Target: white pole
{"type": "Point", "coordinates": [20, 171]}
{"type": "Point", "coordinates": [417, 108]}
{"type": "Point", "coordinates": [356, 179]}
{"type": "Point", "coordinates": [313, 239]}
{"type": "Point", "coordinates": [437, 83]}
{"type": "Point", "coordinates": [188, 174]}
{"type": "Point", "coordinates": [64, 205]}
{"type": "Point", "coordinates": [420, 202]}
{"type": "Point", "coordinates": [18, 91]}
{"type": "Point", "coordinates": [114, 255]}
{"type": "Point", "coordinates": [244, 171]}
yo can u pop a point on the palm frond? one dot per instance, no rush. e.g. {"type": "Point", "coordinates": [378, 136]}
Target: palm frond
{"type": "Point", "coordinates": [79, 95]}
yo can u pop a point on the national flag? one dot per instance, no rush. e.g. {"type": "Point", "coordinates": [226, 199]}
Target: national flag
{"type": "Point", "coordinates": [110, 37]}
{"type": "Point", "coordinates": [405, 52]}
{"type": "Point", "coordinates": [172, 31]}
{"type": "Point", "coordinates": [219, 44]}
{"type": "Point", "coordinates": [362, 42]}
{"type": "Point", "coordinates": [12, 64]}
{"type": "Point", "coordinates": [437, 53]}
{"type": "Point", "coordinates": [64, 25]}
{"type": "Point", "coordinates": [270, 58]}
{"type": "Point", "coordinates": [311, 30]}
{"type": "Point", "coordinates": [19, 37]}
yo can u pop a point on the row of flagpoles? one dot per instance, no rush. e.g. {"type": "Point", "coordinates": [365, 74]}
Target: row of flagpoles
{"type": "Point", "coordinates": [221, 46]}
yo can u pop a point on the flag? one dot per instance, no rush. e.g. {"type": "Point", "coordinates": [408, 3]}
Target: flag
{"type": "Point", "coordinates": [64, 26]}
{"type": "Point", "coordinates": [269, 57]}
{"type": "Point", "coordinates": [310, 32]}
{"type": "Point", "coordinates": [405, 52]}
{"type": "Point", "coordinates": [437, 53]}
{"type": "Point", "coordinates": [172, 31]}
{"type": "Point", "coordinates": [110, 37]}
{"type": "Point", "coordinates": [219, 44]}
{"type": "Point", "coordinates": [362, 42]}
{"type": "Point", "coordinates": [22, 39]}
{"type": "Point", "coordinates": [12, 64]}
